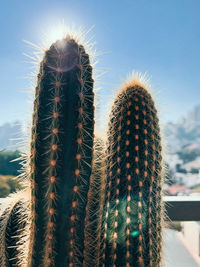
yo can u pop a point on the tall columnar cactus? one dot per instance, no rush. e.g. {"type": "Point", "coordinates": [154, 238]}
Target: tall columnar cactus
{"type": "Point", "coordinates": [96, 193]}
{"type": "Point", "coordinates": [82, 215]}
{"type": "Point", "coordinates": [13, 221]}
{"type": "Point", "coordinates": [133, 206]}
{"type": "Point", "coordinates": [61, 155]}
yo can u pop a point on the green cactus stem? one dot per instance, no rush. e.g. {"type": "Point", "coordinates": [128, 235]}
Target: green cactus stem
{"type": "Point", "coordinates": [13, 222]}
{"type": "Point", "coordinates": [96, 193]}
{"type": "Point", "coordinates": [133, 208]}
{"type": "Point", "coordinates": [61, 155]}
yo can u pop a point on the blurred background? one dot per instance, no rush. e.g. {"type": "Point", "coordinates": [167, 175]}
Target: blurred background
{"type": "Point", "coordinates": [158, 38]}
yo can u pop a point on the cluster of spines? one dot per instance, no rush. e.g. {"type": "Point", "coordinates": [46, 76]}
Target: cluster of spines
{"type": "Point", "coordinates": [133, 174]}
{"type": "Point", "coordinates": [13, 222]}
{"type": "Point", "coordinates": [94, 208]}
{"type": "Point", "coordinates": [58, 71]}
{"type": "Point", "coordinates": [157, 209]}
{"type": "Point", "coordinates": [32, 167]}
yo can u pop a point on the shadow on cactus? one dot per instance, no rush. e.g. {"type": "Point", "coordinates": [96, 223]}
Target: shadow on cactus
{"type": "Point", "coordinates": [13, 222]}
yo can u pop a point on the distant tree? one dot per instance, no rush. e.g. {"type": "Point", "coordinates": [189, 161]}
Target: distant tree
{"type": "Point", "coordinates": [188, 155]}
{"type": "Point", "coordinates": [194, 170]}
{"type": "Point", "coordinates": [8, 184]}
{"type": "Point", "coordinates": [180, 169]}
{"type": "Point", "coordinates": [6, 166]}
{"type": "Point", "coordinates": [196, 189]}
{"type": "Point", "coordinates": [4, 190]}
{"type": "Point", "coordinates": [169, 175]}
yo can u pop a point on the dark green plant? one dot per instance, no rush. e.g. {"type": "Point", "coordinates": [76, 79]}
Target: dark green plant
{"type": "Point", "coordinates": [93, 229]}
{"type": "Point", "coordinates": [61, 155]}
{"type": "Point", "coordinates": [7, 166]}
{"type": "Point", "coordinates": [9, 184]}
{"type": "Point", "coordinates": [13, 221]}
{"type": "Point", "coordinates": [4, 189]}
{"type": "Point", "coordinates": [133, 207]}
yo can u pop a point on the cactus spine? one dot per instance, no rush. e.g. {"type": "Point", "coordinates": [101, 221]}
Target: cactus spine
{"type": "Point", "coordinates": [61, 155]}
{"type": "Point", "coordinates": [133, 207]}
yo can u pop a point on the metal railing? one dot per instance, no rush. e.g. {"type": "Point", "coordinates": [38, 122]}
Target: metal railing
{"type": "Point", "coordinates": [182, 208]}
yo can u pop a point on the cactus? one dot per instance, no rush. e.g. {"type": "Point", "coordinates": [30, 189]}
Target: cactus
{"type": "Point", "coordinates": [85, 211]}
{"type": "Point", "coordinates": [61, 155]}
{"type": "Point", "coordinates": [13, 221]}
{"type": "Point", "coordinates": [93, 224]}
{"type": "Point", "coordinates": [133, 207]}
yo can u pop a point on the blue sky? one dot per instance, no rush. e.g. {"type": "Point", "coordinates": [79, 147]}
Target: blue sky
{"type": "Point", "coordinates": [159, 37]}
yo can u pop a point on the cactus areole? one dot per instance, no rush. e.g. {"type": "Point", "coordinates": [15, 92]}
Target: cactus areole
{"type": "Point", "coordinates": [61, 155]}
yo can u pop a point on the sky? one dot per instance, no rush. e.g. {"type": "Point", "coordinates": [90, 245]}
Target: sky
{"type": "Point", "coordinates": [157, 37]}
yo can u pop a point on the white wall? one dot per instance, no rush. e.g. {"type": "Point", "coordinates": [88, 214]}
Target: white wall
{"type": "Point", "coordinates": [191, 234]}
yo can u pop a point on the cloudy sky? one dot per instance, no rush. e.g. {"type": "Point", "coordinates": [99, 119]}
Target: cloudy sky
{"type": "Point", "coordinates": [161, 38]}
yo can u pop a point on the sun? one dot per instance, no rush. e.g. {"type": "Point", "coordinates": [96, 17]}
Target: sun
{"type": "Point", "coordinates": [60, 30]}
{"type": "Point", "coordinates": [56, 32]}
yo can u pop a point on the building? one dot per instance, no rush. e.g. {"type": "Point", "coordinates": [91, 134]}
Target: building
{"type": "Point", "coordinates": [191, 234]}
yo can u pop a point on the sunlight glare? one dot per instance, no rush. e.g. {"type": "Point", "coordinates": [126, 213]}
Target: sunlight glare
{"type": "Point", "coordinates": [56, 32]}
